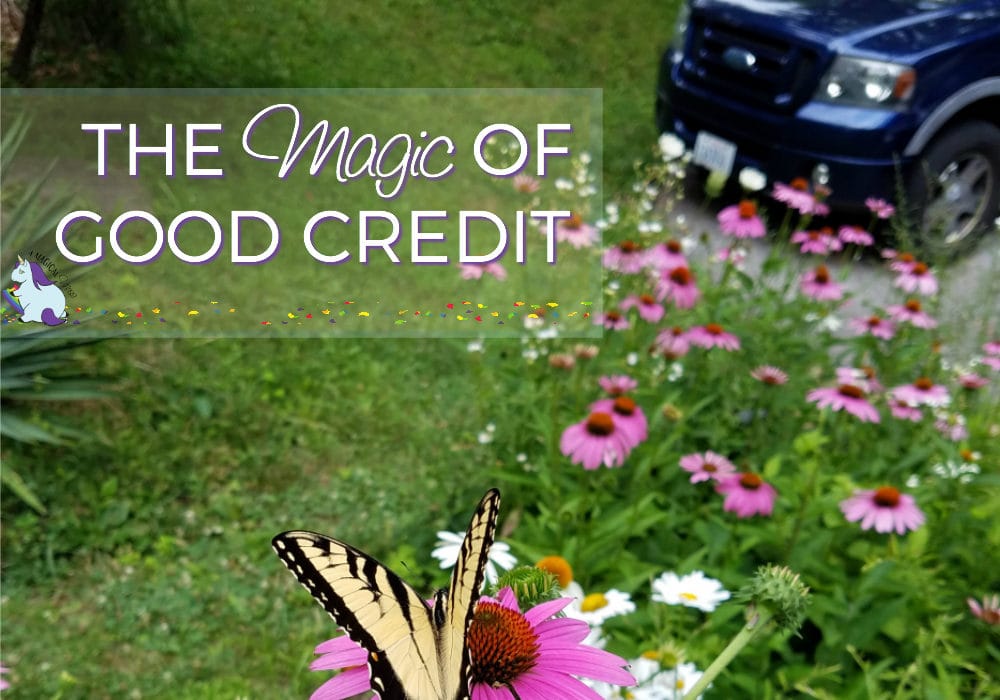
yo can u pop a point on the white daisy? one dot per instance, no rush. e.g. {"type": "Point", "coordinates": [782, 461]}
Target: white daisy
{"type": "Point", "coordinates": [694, 590]}
{"type": "Point", "coordinates": [450, 543]}
{"type": "Point", "coordinates": [595, 608]}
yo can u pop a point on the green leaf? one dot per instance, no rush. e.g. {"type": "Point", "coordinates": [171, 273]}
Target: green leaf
{"type": "Point", "coordinates": [12, 480]}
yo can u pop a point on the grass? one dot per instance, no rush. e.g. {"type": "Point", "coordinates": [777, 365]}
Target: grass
{"type": "Point", "coordinates": [151, 576]}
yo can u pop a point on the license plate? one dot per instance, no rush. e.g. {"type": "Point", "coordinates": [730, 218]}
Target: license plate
{"type": "Point", "coordinates": [714, 153]}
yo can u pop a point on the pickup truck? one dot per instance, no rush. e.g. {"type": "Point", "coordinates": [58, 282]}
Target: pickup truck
{"type": "Point", "coordinates": [895, 99]}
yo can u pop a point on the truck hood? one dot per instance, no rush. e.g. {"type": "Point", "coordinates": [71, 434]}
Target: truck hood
{"type": "Point", "coordinates": [875, 27]}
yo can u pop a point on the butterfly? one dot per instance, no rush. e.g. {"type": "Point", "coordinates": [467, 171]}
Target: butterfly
{"type": "Point", "coordinates": [415, 651]}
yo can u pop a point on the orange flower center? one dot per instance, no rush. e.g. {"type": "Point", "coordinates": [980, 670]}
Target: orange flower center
{"type": "Point", "coordinates": [924, 384]}
{"type": "Point", "coordinates": [624, 406]}
{"type": "Point", "coordinates": [821, 274]}
{"type": "Point", "coordinates": [681, 276]}
{"type": "Point", "coordinates": [919, 269]}
{"type": "Point", "coordinates": [600, 424]}
{"type": "Point", "coordinates": [826, 231]}
{"type": "Point", "coordinates": [873, 321]}
{"type": "Point", "coordinates": [868, 370]}
{"type": "Point", "coordinates": [814, 235]}
{"type": "Point", "coordinates": [574, 222]}
{"type": "Point", "coordinates": [558, 567]}
{"type": "Point", "coordinates": [714, 328]}
{"type": "Point", "coordinates": [886, 496]}
{"type": "Point", "coordinates": [613, 316]}
{"type": "Point", "coordinates": [748, 209]}
{"type": "Point", "coordinates": [800, 184]}
{"type": "Point", "coordinates": [674, 246]}
{"type": "Point", "coordinates": [750, 481]}
{"type": "Point", "coordinates": [967, 454]}
{"type": "Point", "coordinates": [710, 468]}
{"type": "Point", "coordinates": [851, 391]}
{"type": "Point", "coordinates": [647, 299]}
{"type": "Point", "coordinates": [913, 305]}
{"type": "Point", "coordinates": [502, 645]}
{"type": "Point", "coordinates": [629, 247]}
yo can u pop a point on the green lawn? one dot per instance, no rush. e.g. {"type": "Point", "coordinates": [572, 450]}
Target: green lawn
{"type": "Point", "coordinates": [151, 574]}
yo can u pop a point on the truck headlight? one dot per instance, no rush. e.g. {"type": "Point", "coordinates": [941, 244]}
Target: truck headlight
{"type": "Point", "coordinates": [680, 32]}
{"type": "Point", "coordinates": [862, 82]}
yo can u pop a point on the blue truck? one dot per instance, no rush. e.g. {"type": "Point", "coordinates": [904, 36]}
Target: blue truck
{"type": "Point", "coordinates": [896, 99]}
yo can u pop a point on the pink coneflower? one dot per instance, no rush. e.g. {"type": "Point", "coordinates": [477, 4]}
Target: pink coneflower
{"type": "Point", "coordinates": [342, 653]}
{"type": "Point", "coordinates": [923, 392]}
{"type": "Point", "coordinates": [535, 655]}
{"type": "Point", "coordinates": [747, 495]}
{"type": "Point", "coordinates": [818, 242]}
{"type": "Point", "coordinates": [474, 271]}
{"type": "Point", "coordinates": [666, 256]}
{"type": "Point", "coordinates": [875, 325]}
{"type": "Point", "coordinates": [741, 221]}
{"type": "Point", "coordinates": [863, 377]}
{"type": "Point", "coordinates": [735, 255]}
{"type": "Point", "coordinates": [880, 208]}
{"type": "Point", "coordinates": [884, 508]}
{"type": "Point", "coordinates": [951, 425]}
{"type": "Point", "coordinates": [612, 320]}
{"type": "Point", "coordinates": [672, 342]}
{"type": "Point", "coordinates": [855, 235]}
{"type": "Point", "coordinates": [904, 411]}
{"type": "Point", "coordinates": [712, 335]}
{"type": "Point", "coordinates": [628, 257]}
{"type": "Point", "coordinates": [819, 285]}
{"type": "Point", "coordinates": [617, 384]}
{"type": "Point", "coordinates": [991, 362]}
{"type": "Point", "coordinates": [649, 309]}
{"type": "Point", "coordinates": [900, 262]}
{"type": "Point", "coordinates": [918, 280]}
{"type": "Point", "coordinates": [911, 312]}
{"type": "Point", "coordinates": [972, 381]}
{"type": "Point", "coordinates": [769, 375]}
{"type": "Point", "coordinates": [847, 397]}
{"type": "Point", "coordinates": [629, 419]}
{"type": "Point", "coordinates": [525, 184]}
{"type": "Point", "coordinates": [992, 348]}
{"type": "Point", "coordinates": [575, 232]}
{"type": "Point", "coordinates": [707, 466]}
{"type": "Point", "coordinates": [678, 285]}
{"type": "Point", "coordinates": [796, 195]}
{"type": "Point", "coordinates": [989, 611]}
{"type": "Point", "coordinates": [595, 441]}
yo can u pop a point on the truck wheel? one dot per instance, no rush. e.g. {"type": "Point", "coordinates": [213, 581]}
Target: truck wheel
{"type": "Point", "coordinates": [956, 188]}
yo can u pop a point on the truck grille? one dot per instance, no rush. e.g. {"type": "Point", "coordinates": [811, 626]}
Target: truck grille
{"type": "Point", "coordinates": [780, 79]}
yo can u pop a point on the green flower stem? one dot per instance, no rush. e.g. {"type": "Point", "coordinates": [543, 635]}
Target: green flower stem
{"type": "Point", "coordinates": [758, 621]}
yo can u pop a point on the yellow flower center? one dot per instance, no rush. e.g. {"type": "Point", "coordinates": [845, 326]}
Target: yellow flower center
{"type": "Point", "coordinates": [689, 596]}
{"type": "Point", "coordinates": [594, 601]}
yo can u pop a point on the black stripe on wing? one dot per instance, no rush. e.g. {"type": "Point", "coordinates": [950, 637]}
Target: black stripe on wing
{"type": "Point", "coordinates": [467, 578]}
{"type": "Point", "coordinates": [358, 592]}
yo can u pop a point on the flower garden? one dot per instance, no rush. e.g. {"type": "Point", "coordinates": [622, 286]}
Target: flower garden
{"type": "Point", "coordinates": [756, 484]}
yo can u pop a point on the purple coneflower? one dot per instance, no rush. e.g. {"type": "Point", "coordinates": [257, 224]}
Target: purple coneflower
{"type": "Point", "coordinates": [855, 235]}
{"type": "Point", "coordinates": [617, 384]}
{"type": "Point", "coordinates": [629, 419]}
{"type": "Point", "coordinates": [875, 325]}
{"type": "Point", "coordinates": [741, 220]}
{"type": "Point", "coordinates": [747, 495]}
{"type": "Point", "coordinates": [525, 184]}
{"type": "Point", "coordinates": [709, 465]}
{"type": "Point", "coordinates": [817, 242]}
{"type": "Point", "coordinates": [712, 335]}
{"type": "Point", "coordinates": [796, 195]}
{"type": "Point", "coordinates": [612, 320]}
{"type": "Point", "coordinates": [672, 342]}
{"type": "Point", "coordinates": [989, 611]}
{"type": "Point", "coordinates": [666, 256]}
{"type": "Point", "coordinates": [972, 381]}
{"type": "Point", "coordinates": [911, 312]}
{"type": "Point", "coordinates": [628, 257]}
{"type": "Point", "coordinates": [473, 271]}
{"type": "Point", "coordinates": [595, 441]}
{"type": "Point", "coordinates": [884, 508]}
{"type": "Point", "coordinates": [904, 411]}
{"type": "Point", "coordinates": [917, 280]}
{"type": "Point", "coordinates": [922, 392]}
{"type": "Point", "coordinates": [847, 397]}
{"type": "Point", "coordinates": [678, 285]}
{"type": "Point", "coordinates": [819, 285]}
{"type": "Point", "coordinates": [992, 348]}
{"type": "Point", "coordinates": [649, 309]}
{"type": "Point", "coordinates": [864, 377]}
{"type": "Point", "coordinates": [880, 208]}
{"type": "Point", "coordinates": [769, 375]}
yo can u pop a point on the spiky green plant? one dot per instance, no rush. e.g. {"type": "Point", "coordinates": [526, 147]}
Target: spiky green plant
{"type": "Point", "coordinates": [37, 365]}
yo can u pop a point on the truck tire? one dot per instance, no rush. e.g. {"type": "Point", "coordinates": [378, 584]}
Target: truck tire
{"type": "Point", "coordinates": [955, 189]}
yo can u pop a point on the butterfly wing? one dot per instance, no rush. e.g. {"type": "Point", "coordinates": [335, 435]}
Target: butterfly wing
{"type": "Point", "coordinates": [463, 592]}
{"type": "Point", "coordinates": [376, 608]}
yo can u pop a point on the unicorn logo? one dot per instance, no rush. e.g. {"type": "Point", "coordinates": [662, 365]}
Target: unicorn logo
{"type": "Point", "coordinates": [38, 297]}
